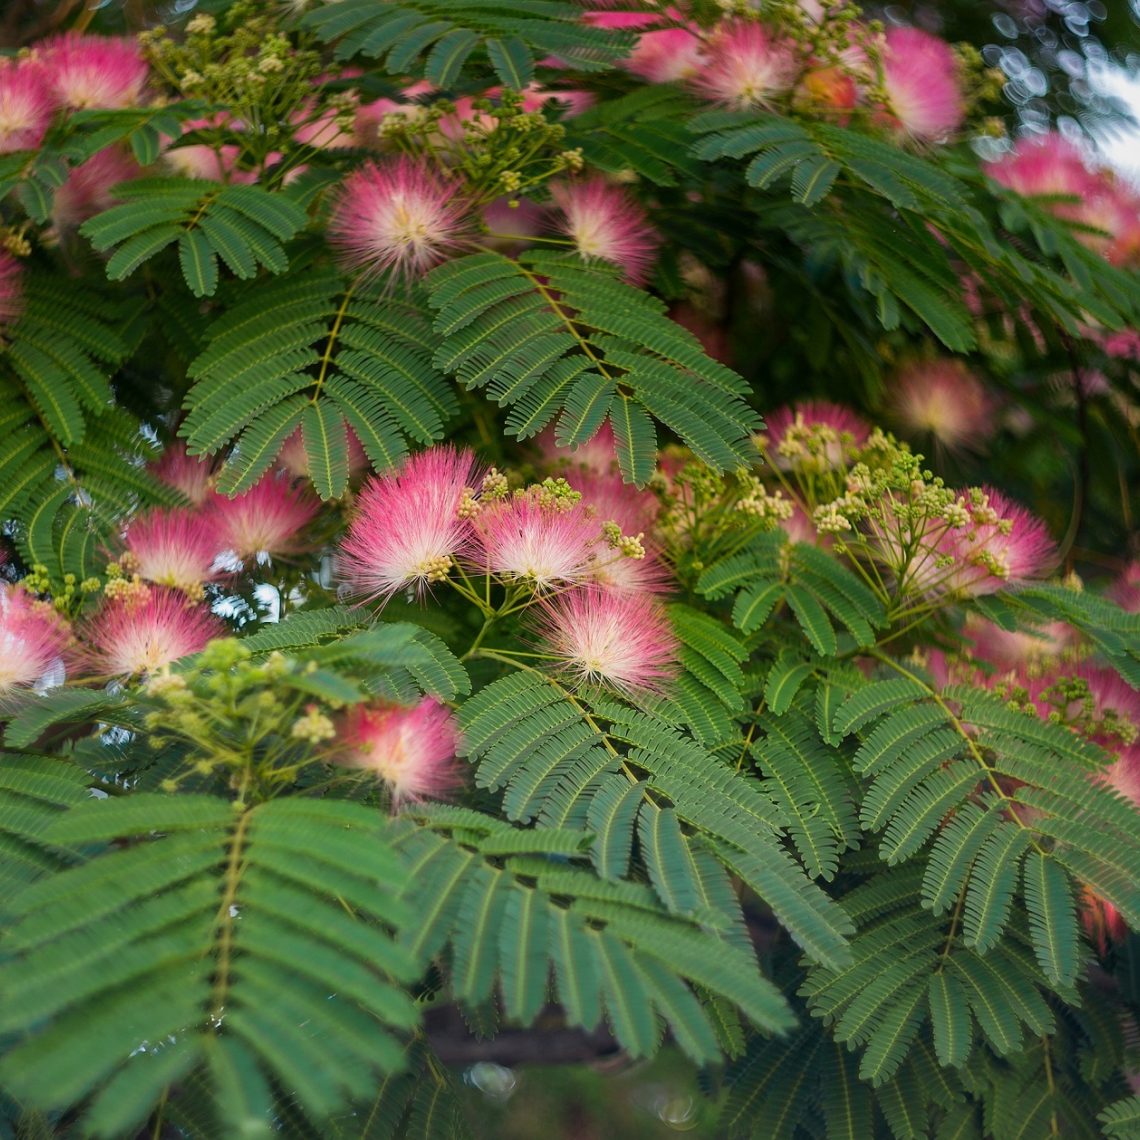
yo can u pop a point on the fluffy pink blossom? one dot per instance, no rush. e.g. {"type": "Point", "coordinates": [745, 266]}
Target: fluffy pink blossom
{"type": "Point", "coordinates": [88, 72]}
{"type": "Point", "coordinates": [598, 454]}
{"type": "Point", "coordinates": [132, 634]}
{"type": "Point", "coordinates": [661, 54]}
{"type": "Point", "coordinates": [1004, 545]}
{"type": "Point", "coordinates": [1052, 166]}
{"type": "Point", "coordinates": [32, 640]}
{"type": "Point", "coordinates": [617, 571]}
{"type": "Point", "coordinates": [920, 75]}
{"type": "Point", "coordinates": [87, 190]}
{"type": "Point", "coordinates": [609, 498]}
{"type": "Point", "coordinates": [201, 160]}
{"type": "Point", "coordinates": [1125, 591]}
{"type": "Point", "coordinates": [411, 748]}
{"type": "Point", "coordinates": [944, 399]}
{"type": "Point", "coordinates": [408, 528]}
{"type": "Point", "coordinates": [1124, 345]}
{"type": "Point", "coordinates": [269, 518]}
{"type": "Point", "coordinates": [295, 459]}
{"type": "Point", "coordinates": [545, 545]}
{"type": "Point", "coordinates": [512, 226]}
{"type": "Point", "coordinates": [398, 216]}
{"type": "Point", "coordinates": [812, 433]}
{"type": "Point", "coordinates": [746, 66]}
{"type": "Point", "coordinates": [26, 105]}
{"type": "Point", "coordinates": [605, 222]}
{"type": "Point", "coordinates": [617, 638]}
{"type": "Point", "coordinates": [173, 548]}
{"type": "Point", "coordinates": [1014, 649]}
{"type": "Point", "coordinates": [192, 475]}
{"type": "Point", "coordinates": [11, 289]}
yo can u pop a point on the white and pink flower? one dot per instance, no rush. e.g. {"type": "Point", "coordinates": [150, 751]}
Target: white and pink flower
{"type": "Point", "coordinates": [410, 748]}
{"type": "Point", "coordinates": [33, 640]}
{"type": "Point", "coordinates": [399, 217]}
{"type": "Point", "coordinates": [746, 66]}
{"type": "Point", "coordinates": [606, 223]}
{"type": "Point", "coordinates": [270, 518]}
{"type": "Point", "coordinates": [94, 72]}
{"type": "Point", "coordinates": [920, 75]}
{"type": "Point", "coordinates": [26, 105]}
{"type": "Point", "coordinates": [618, 638]}
{"type": "Point", "coordinates": [545, 545]}
{"type": "Point", "coordinates": [408, 527]}
{"type": "Point", "coordinates": [133, 634]}
{"type": "Point", "coordinates": [173, 548]}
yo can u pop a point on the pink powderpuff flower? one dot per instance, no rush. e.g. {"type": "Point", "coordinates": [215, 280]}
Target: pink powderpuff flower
{"type": "Point", "coordinates": [812, 433]}
{"type": "Point", "coordinates": [616, 638]}
{"type": "Point", "coordinates": [1007, 649]}
{"type": "Point", "coordinates": [192, 475]}
{"type": "Point", "coordinates": [135, 634]}
{"type": "Point", "coordinates": [269, 518]}
{"type": "Point", "coordinates": [512, 223]}
{"type": "Point", "coordinates": [32, 640]}
{"type": "Point", "coordinates": [26, 105]}
{"type": "Point", "coordinates": [920, 75]}
{"type": "Point", "coordinates": [409, 526]}
{"type": "Point", "coordinates": [1124, 345]}
{"type": "Point", "coordinates": [1004, 545]}
{"type": "Point", "coordinates": [173, 548]}
{"type": "Point", "coordinates": [1125, 591]}
{"type": "Point", "coordinates": [294, 459]}
{"type": "Point", "coordinates": [647, 575]}
{"type": "Point", "coordinates": [411, 748]}
{"type": "Point", "coordinates": [598, 454]}
{"type": "Point", "coordinates": [11, 290]}
{"type": "Point", "coordinates": [609, 498]}
{"type": "Point", "coordinates": [201, 160]}
{"type": "Point", "coordinates": [88, 189]}
{"type": "Point", "coordinates": [547, 546]}
{"type": "Point", "coordinates": [398, 217]}
{"type": "Point", "coordinates": [605, 222]}
{"type": "Point", "coordinates": [747, 65]}
{"type": "Point", "coordinates": [944, 399]}
{"type": "Point", "coordinates": [89, 72]}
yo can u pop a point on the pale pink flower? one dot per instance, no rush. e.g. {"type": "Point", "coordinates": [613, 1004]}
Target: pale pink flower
{"type": "Point", "coordinates": [920, 75]}
{"type": "Point", "coordinates": [747, 66]}
{"type": "Point", "coordinates": [139, 634]}
{"type": "Point", "coordinates": [545, 545]}
{"type": "Point", "coordinates": [398, 216]}
{"type": "Point", "coordinates": [408, 528]}
{"type": "Point", "coordinates": [812, 433]}
{"type": "Point", "coordinates": [1124, 345]}
{"type": "Point", "coordinates": [609, 498]}
{"type": "Point", "coordinates": [571, 102]}
{"type": "Point", "coordinates": [88, 72]}
{"type": "Point", "coordinates": [201, 160]}
{"type": "Point", "coordinates": [617, 571]}
{"type": "Point", "coordinates": [1015, 648]}
{"type": "Point", "coordinates": [269, 518]}
{"type": "Point", "coordinates": [411, 748]}
{"type": "Point", "coordinates": [173, 548]}
{"type": "Point", "coordinates": [11, 289]}
{"type": "Point", "coordinates": [295, 459]}
{"type": "Point", "coordinates": [799, 528]}
{"type": "Point", "coordinates": [598, 454]}
{"type": "Point", "coordinates": [26, 105]}
{"type": "Point", "coordinates": [612, 637]}
{"type": "Point", "coordinates": [1052, 166]}
{"type": "Point", "coordinates": [1125, 591]}
{"type": "Point", "coordinates": [605, 222]}
{"type": "Point", "coordinates": [32, 640]}
{"type": "Point", "coordinates": [87, 190]}
{"type": "Point", "coordinates": [944, 399]}
{"type": "Point", "coordinates": [512, 226]}
{"type": "Point", "coordinates": [1004, 545]}
{"type": "Point", "coordinates": [192, 475]}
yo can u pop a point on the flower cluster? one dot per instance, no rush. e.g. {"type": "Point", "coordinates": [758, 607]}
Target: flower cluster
{"type": "Point", "coordinates": [824, 60]}
{"type": "Point", "coordinates": [571, 547]}
{"type": "Point", "coordinates": [1105, 210]}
